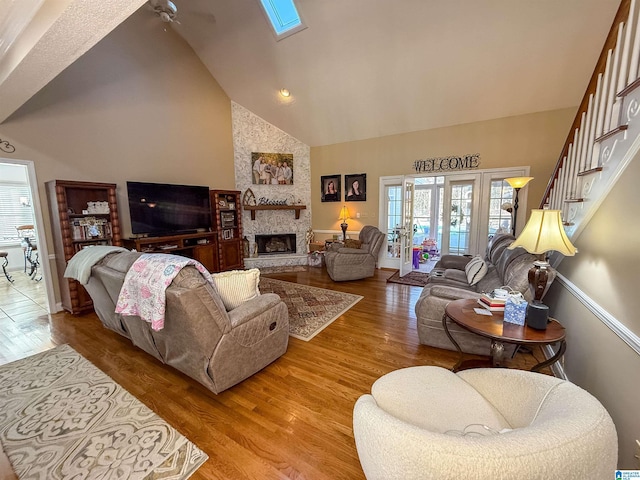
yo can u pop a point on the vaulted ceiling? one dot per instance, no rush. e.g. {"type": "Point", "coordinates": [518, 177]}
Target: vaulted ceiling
{"type": "Point", "coordinates": [362, 68]}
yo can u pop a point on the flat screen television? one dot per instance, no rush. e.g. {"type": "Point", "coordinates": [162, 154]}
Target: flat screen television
{"type": "Point", "coordinates": [166, 209]}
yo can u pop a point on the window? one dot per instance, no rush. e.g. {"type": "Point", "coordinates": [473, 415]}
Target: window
{"type": "Point", "coordinates": [500, 220]}
{"type": "Point", "coordinates": [283, 16]}
{"type": "Point", "coordinates": [15, 209]}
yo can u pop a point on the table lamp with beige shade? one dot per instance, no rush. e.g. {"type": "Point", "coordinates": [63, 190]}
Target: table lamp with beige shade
{"type": "Point", "coordinates": [543, 233]}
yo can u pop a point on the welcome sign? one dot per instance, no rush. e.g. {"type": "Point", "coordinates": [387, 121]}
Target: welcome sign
{"type": "Point", "coordinates": [442, 164]}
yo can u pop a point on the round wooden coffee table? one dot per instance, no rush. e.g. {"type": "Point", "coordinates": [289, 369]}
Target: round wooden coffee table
{"type": "Point", "coordinates": [462, 313]}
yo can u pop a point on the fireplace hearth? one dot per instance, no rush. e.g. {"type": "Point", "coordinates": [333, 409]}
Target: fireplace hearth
{"type": "Point", "coordinates": [276, 244]}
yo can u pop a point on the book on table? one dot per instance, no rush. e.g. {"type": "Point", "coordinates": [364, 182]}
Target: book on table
{"type": "Point", "coordinates": [491, 308]}
{"type": "Point", "coordinates": [492, 301]}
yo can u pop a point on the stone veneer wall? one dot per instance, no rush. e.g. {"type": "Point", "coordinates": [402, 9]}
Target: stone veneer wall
{"type": "Point", "coordinates": [253, 134]}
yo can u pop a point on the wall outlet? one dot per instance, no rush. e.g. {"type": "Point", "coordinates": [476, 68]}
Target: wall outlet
{"type": "Point", "coordinates": [358, 215]}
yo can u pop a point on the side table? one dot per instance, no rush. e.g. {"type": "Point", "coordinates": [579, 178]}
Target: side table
{"type": "Point", "coordinates": [462, 313]}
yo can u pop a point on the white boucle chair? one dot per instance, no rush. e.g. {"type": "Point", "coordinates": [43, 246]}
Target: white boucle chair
{"type": "Point", "coordinates": [429, 423]}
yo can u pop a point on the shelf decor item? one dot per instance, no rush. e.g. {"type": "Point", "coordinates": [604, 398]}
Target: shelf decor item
{"type": "Point", "coordinates": [249, 198]}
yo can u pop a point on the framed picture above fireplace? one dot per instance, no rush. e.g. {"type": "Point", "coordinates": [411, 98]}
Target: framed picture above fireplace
{"type": "Point", "coordinates": [330, 186]}
{"type": "Point", "coordinates": [272, 168]}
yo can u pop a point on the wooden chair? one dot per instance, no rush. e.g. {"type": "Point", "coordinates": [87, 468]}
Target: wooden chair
{"type": "Point", "coordinates": [27, 235]}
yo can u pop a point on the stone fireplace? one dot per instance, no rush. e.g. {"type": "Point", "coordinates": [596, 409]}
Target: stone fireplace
{"type": "Point", "coordinates": [276, 244]}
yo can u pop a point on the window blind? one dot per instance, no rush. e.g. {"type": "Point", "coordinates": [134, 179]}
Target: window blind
{"type": "Point", "coordinates": [13, 212]}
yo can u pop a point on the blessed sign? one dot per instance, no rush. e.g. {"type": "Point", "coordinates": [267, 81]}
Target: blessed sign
{"type": "Point", "coordinates": [447, 163]}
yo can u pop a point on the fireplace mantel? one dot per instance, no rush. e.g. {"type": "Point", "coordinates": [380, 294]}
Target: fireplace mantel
{"type": "Point", "coordinates": [253, 208]}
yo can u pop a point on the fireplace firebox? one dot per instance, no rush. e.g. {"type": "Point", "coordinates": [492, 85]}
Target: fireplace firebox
{"type": "Point", "coordinates": [276, 244]}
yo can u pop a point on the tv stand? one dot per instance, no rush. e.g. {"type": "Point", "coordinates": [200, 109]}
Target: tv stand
{"type": "Point", "coordinates": [199, 246]}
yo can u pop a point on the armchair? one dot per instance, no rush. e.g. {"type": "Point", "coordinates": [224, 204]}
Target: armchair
{"type": "Point", "coordinates": [427, 422]}
{"type": "Point", "coordinates": [344, 263]}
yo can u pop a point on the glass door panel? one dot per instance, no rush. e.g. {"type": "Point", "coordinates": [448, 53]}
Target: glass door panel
{"type": "Point", "coordinates": [406, 238]}
{"type": "Point", "coordinates": [460, 209]}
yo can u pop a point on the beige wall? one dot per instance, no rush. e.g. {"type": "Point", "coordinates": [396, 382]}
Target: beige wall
{"type": "Point", "coordinates": [534, 140]}
{"type": "Point", "coordinates": [606, 271]}
{"type": "Point", "coordinates": [138, 106]}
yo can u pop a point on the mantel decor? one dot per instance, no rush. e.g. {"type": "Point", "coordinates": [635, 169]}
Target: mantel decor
{"type": "Point", "coordinates": [249, 198]}
{"type": "Point", "coordinates": [443, 164]}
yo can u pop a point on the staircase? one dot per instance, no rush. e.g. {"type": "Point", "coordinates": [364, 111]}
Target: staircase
{"type": "Point", "coordinates": [605, 135]}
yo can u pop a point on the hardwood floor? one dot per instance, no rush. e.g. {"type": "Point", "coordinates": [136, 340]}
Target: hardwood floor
{"type": "Point", "coordinates": [292, 420]}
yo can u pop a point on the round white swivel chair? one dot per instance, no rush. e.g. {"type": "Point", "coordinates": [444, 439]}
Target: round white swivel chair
{"type": "Point", "coordinates": [429, 423]}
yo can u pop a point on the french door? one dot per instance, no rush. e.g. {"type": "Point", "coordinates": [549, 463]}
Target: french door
{"type": "Point", "coordinates": [460, 214]}
{"type": "Point", "coordinates": [459, 211]}
{"type": "Point", "coordinates": [406, 233]}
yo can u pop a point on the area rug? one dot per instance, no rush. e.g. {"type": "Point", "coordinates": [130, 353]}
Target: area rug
{"type": "Point", "coordinates": [61, 418]}
{"type": "Point", "coordinates": [311, 309]}
{"type": "Point", "coordinates": [417, 279]}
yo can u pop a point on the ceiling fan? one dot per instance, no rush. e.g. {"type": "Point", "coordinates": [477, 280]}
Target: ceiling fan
{"type": "Point", "coordinates": [165, 9]}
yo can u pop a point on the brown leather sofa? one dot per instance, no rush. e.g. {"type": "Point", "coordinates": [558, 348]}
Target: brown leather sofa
{"type": "Point", "coordinates": [505, 268]}
{"type": "Point", "coordinates": [200, 338]}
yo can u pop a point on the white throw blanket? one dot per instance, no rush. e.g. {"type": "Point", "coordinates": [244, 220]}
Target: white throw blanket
{"type": "Point", "coordinates": [143, 290]}
{"type": "Point", "coordinates": [79, 266]}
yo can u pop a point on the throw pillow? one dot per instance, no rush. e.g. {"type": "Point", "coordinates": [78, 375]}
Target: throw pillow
{"type": "Point", "coordinates": [475, 270]}
{"type": "Point", "coordinates": [237, 286]}
{"type": "Point", "coordinates": [352, 243]}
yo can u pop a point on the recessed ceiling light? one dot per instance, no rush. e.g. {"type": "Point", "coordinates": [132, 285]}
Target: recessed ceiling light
{"type": "Point", "coordinates": [285, 93]}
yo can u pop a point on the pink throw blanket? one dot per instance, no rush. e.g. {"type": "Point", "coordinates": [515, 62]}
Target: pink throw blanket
{"type": "Point", "coordinates": [143, 290]}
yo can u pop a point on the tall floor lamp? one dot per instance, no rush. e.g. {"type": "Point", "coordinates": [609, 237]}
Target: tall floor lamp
{"type": "Point", "coordinates": [517, 183]}
{"type": "Point", "coordinates": [543, 233]}
{"type": "Point", "coordinates": [344, 216]}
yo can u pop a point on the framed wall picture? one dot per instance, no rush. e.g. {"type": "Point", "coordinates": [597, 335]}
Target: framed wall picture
{"type": "Point", "coordinates": [272, 168]}
{"type": "Point", "coordinates": [355, 187]}
{"type": "Point", "coordinates": [330, 185]}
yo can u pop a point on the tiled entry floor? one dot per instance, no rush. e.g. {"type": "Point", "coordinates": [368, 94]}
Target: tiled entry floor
{"type": "Point", "coordinates": [24, 323]}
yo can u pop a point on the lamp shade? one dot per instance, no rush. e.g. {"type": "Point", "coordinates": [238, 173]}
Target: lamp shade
{"type": "Point", "coordinates": [344, 214]}
{"type": "Point", "coordinates": [544, 232]}
{"type": "Point", "coordinates": [518, 182]}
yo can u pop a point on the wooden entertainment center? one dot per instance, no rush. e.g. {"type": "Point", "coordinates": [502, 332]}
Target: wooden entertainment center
{"type": "Point", "coordinates": [86, 213]}
{"type": "Point", "coordinates": [199, 246]}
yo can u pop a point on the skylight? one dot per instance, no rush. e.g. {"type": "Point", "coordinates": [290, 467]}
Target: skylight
{"type": "Point", "coordinates": [284, 17]}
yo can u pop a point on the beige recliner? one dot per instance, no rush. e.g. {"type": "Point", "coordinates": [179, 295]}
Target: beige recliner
{"type": "Point", "coordinates": [200, 338]}
{"type": "Point", "coordinates": [345, 263]}
{"type": "Point", "coordinates": [427, 422]}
